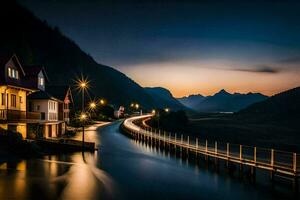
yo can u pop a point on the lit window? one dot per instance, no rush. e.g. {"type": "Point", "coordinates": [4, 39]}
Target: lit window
{"type": "Point", "coordinates": [41, 81]}
{"type": "Point", "coordinates": [13, 73]}
{"type": "Point", "coordinates": [13, 101]}
{"type": "Point", "coordinates": [2, 99]}
{"type": "Point", "coordinates": [9, 72]}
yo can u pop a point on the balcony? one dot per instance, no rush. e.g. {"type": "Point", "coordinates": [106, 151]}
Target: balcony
{"type": "Point", "coordinates": [18, 116]}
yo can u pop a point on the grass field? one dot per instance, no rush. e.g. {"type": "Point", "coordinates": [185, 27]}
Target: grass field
{"type": "Point", "coordinates": [283, 135]}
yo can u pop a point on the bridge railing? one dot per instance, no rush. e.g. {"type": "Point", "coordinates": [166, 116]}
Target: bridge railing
{"type": "Point", "coordinates": [285, 162]}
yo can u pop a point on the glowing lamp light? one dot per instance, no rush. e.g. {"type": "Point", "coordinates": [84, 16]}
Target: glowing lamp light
{"type": "Point", "coordinates": [153, 111]}
{"type": "Point", "coordinates": [102, 102]}
{"type": "Point", "coordinates": [92, 105]}
{"type": "Point", "coordinates": [83, 116]}
{"type": "Point", "coordinates": [83, 84]}
{"type": "Point", "coordinates": [167, 109]}
{"type": "Point", "coordinates": [132, 105]}
{"type": "Point", "coordinates": [137, 106]}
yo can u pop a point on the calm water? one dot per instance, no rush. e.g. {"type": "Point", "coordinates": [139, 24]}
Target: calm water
{"type": "Point", "coordinates": [126, 169]}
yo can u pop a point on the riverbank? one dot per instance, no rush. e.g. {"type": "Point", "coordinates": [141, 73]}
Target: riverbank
{"type": "Point", "coordinates": [13, 147]}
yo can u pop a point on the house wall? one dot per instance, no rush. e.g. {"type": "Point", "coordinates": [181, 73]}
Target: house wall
{"type": "Point", "coordinates": [22, 128]}
{"type": "Point", "coordinates": [20, 103]}
{"type": "Point", "coordinates": [49, 107]}
{"type": "Point", "coordinates": [52, 130]}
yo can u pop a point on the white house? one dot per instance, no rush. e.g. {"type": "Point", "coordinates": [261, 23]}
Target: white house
{"type": "Point", "coordinates": [52, 122]}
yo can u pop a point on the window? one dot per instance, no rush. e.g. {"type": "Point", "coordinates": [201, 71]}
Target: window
{"type": "Point", "coordinates": [9, 72]}
{"type": "Point", "coordinates": [38, 107]}
{"type": "Point", "coordinates": [41, 81]}
{"type": "Point", "coordinates": [13, 73]}
{"type": "Point", "coordinates": [2, 99]}
{"type": "Point", "coordinates": [21, 100]}
{"type": "Point", "coordinates": [13, 102]}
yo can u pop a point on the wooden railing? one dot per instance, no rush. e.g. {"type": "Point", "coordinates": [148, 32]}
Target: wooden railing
{"type": "Point", "coordinates": [279, 162]}
{"type": "Point", "coordinates": [18, 115]}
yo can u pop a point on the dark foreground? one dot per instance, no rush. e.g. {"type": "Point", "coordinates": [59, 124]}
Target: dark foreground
{"type": "Point", "coordinates": [125, 169]}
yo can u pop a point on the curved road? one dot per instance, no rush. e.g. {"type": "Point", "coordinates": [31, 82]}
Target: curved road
{"type": "Point", "coordinates": [124, 169]}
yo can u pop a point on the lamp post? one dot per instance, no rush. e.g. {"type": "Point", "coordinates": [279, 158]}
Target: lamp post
{"type": "Point", "coordinates": [83, 117]}
{"type": "Point", "coordinates": [82, 84]}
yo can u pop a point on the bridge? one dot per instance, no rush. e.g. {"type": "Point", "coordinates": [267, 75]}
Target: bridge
{"type": "Point", "coordinates": [280, 163]}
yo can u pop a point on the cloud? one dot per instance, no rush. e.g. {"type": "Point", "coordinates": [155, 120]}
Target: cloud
{"type": "Point", "coordinates": [259, 69]}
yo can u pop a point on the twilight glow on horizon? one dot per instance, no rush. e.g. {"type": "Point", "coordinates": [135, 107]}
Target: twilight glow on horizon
{"type": "Point", "coordinates": [188, 47]}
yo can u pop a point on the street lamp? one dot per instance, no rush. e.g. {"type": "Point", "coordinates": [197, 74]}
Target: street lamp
{"type": "Point", "coordinates": [167, 109]}
{"type": "Point", "coordinates": [82, 84]}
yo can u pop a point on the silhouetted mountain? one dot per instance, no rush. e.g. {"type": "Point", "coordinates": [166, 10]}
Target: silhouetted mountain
{"type": "Point", "coordinates": [163, 98]}
{"type": "Point", "coordinates": [191, 101]}
{"type": "Point", "coordinates": [283, 105]}
{"type": "Point", "coordinates": [37, 43]}
{"type": "Point", "coordinates": [226, 102]}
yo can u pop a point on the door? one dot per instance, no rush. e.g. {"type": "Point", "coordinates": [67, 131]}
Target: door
{"type": "Point", "coordinates": [50, 130]}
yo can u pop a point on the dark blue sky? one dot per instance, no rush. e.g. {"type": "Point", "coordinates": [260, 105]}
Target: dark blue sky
{"type": "Point", "coordinates": [203, 46]}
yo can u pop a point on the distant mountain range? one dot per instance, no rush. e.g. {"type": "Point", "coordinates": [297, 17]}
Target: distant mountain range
{"type": "Point", "coordinates": [283, 105]}
{"type": "Point", "coordinates": [221, 101]}
{"type": "Point", "coordinates": [191, 101]}
{"type": "Point", "coordinates": [164, 98]}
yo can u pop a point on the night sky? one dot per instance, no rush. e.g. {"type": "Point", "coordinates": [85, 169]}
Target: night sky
{"type": "Point", "coordinates": [187, 46]}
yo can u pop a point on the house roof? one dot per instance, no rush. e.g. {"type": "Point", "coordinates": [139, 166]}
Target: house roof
{"type": "Point", "coordinates": [42, 95]}
{"type": "Point", "coordinates": [34, 70]}
{"type": "Point", "coordinates": [5, 57]}
{"type": "Point", "coordinates": [59, 91]}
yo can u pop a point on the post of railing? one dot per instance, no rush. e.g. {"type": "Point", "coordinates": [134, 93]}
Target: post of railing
{"type": "Point", "coordinates": [196, 146]}
{"type": "Point", "coordinates": [241, 151]}
{"type": "Point", "coordinates": [216, 147]}
{"type": "Point", "coordinates": [181, 142]}
{"type": "Point", "coordinates": [164, 138]}
{"type": "Point", "coordinates": [295, 162]}
{"type": "Point", "coordinates": [188, 140]}
{"type": "Point", "coordinates": [181, 139]}
{"type": "Point", "coordinates": [175, 139]}
{"type": "Point", "coordinates": [272, 157]}
{"type": "Point", "coordinates": [206, 149]}
{"type": "Point", "coordinates": [254, 156]}
{"type": "Point", "coordinates": [169, 140]}
{"type": "Point", "coordinates": [227, 150]}
{"type": "Point", "coordinates": [158, 137]}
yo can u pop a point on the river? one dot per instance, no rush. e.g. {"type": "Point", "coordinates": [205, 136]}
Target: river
{"type": "Point", "coordinates": [126, 169]}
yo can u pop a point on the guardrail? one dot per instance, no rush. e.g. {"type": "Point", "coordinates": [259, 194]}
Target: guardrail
{"type": "Point", "coordinates": [276, 161]}
{"type": "Point", "coordinates": [17, 115]}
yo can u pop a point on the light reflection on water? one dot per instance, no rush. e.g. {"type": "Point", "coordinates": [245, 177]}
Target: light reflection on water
{"type": "Point", "coordinates": [54, 177]}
